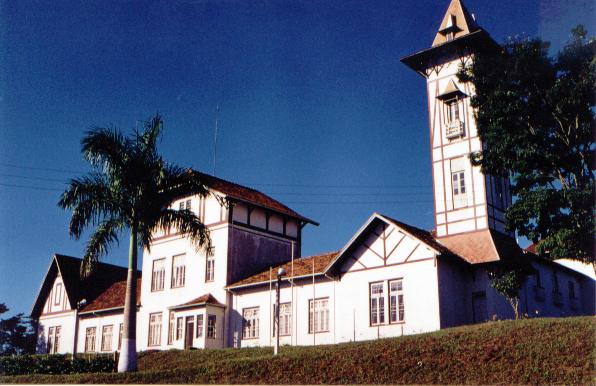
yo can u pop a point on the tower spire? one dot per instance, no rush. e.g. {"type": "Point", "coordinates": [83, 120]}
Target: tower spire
{"type": "Point", "coordinates": [457, 22]}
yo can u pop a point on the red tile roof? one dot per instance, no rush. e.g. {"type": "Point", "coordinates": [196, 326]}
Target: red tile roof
{"type": "Point", "coordinates": [302, 267]}
{"type": "Point", "coordinates": [200, 301]}
{"type": "Point", "coordinates": [250, 195]}
{"type": "Point", "coordinates": [485, 246]}
{"type": "Point", "coordinates": [113, 297]}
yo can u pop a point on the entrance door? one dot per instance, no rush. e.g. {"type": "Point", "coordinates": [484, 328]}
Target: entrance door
{"type": "Point", "coordinates": [479, 307]}
{"type": "Point", "coordinates": [190, 329]}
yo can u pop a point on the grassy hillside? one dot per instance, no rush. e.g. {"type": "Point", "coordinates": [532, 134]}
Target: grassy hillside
{"type": "Point", "coordinates": [537, 351]}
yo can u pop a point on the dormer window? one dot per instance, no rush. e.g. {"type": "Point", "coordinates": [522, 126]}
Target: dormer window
{"type": "Point", "coordinates": [452, 110]}
{"type": "Point", "coordinates": [452, 99]}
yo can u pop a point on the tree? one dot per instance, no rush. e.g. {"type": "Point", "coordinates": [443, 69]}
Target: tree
{"type": "Point", "coordinates": [130, 188]}
{"type": "Point", "coordinates": [535, 117]}
{"type": "Point", "coordinates": [17, 335]}
{"type": "Point", "coordinates": [508, 281]}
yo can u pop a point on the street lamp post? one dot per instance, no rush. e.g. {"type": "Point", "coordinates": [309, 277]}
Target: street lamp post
{"type": "Point", "coordinates": [280, 272]}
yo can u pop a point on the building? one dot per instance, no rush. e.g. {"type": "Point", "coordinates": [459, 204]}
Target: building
{"type": "Point", "coordinates": [389, 279]}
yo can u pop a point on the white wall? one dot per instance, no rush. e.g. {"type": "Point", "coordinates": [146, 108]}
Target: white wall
{"type": "Point", "coordinates": [66, 321]}
{"type": "Point", "coordinates": [99, 320]}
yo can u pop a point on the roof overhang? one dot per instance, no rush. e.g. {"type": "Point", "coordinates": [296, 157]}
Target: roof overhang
{"type": "Point", "coordinates": [474, 42]}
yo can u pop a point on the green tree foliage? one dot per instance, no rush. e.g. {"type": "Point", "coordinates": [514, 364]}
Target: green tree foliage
{"type": "Point", "coordinates": [508, 282]}
{"type": "Point", "coordinates": [535, 116]}
{"type": "Point", "coordinates": [17, 335]}
{"type": "Point", "coordinates": [130, 189]}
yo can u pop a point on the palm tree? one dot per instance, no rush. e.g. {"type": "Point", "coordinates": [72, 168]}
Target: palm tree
{"type": "Point", "coordinates": [130, 188]}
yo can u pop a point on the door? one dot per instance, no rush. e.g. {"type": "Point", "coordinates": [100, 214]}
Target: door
{"type": "Point", "coordinates": [479, 307]}
{"type": "Point", "coordinates": [190, 329]}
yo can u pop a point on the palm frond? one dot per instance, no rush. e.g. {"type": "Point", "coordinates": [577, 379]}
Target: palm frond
{"type": "Point", "coordinates": [105, 147]}
{"type": "Point", "coordinates": [97, 247]}
{"type": "Point", "coordinates": [90, 199]}
{"type": "Point", "coordinates": [189, 226]}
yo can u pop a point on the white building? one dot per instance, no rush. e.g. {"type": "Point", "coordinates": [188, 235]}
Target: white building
{"type": "Point", "coordinates": [390, 279]}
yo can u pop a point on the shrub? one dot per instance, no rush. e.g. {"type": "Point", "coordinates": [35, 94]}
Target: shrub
{"type": "Point", "coordinates": [55, 364]}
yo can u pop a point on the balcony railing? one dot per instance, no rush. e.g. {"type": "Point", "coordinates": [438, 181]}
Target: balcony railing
{"type": "Point", "coordinates": [455, 129]}
{"type": "Point", "coordinates": [539, 293]}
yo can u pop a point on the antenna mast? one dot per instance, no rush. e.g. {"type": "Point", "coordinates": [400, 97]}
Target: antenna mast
{"type": "Point", "coordinates": [215, 140]}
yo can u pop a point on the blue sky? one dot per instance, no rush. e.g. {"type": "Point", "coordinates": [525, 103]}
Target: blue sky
{"type": "Point", "coordinates": [315, 107]}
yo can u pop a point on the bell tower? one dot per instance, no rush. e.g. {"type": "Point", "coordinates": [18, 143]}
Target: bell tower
{"type": "Point", "coordinates": [465, 199]}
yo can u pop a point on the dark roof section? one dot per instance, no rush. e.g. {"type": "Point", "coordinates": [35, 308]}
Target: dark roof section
{"type": "Point", "coordinates": [302, 267]}
{"type": "Point", "coordinates": [103, 276]}
{"type": "Point", "coordinates": [243, 193]}
{"type": "Point", "coordinates": [199, 302]}
{"type": "Point", "coordinates": [112, 298]}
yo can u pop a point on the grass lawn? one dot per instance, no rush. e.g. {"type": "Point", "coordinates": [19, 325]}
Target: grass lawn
{"type": "Point", "coordinates": [532, 351]}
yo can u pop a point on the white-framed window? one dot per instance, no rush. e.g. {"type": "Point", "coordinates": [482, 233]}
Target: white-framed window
{"type": "Point", "coordinates": [318, 315]}
{"type": "Point", "coordinates": [377, 303]}
{"type": "Point", "coordinates": [171, 327]}
{"type": "Point", "coordinates": [120, 333]}
{"type": "Point", "coordinates": [211, 332]}
{"type": "Point", "coordinates": [458, 183]}
{"type": "Point", "coordinates": [185, 205]}
{"type": "Point", "coordinates": [53, 340]}
{"type": "Point", "coordinates": [158, 274]}
{"type": "Point", "coordinates": [396, 301]}
{"type": "Point", "coordinates": [58, 294]}
{"type": "Point", "coordinates": [178, 271]}
{"type": "Point", "coordinates": [250, 323]}
{"type": "Point", "coordinates": [106, 338]}
{"type": "Point", "coordinates": [210, 268]}
{"type": "Point", "coordinates": [179, 327]}
{"type": "Point", "coordinates": [90, 339]}
{"type": "Point", "coordinates": [452, 110]}
{"type": "Point", "coordinates": [200, 322]}
{"type": "Point", "coordinates": [154, 329]}
{"type": "Point", "coordinates": [285, 319]}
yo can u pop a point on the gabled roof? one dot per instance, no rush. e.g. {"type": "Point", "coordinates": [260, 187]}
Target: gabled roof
{"type": "Point", "coordinates": [199, 302]}
{"type": "Point", "coordinates": [111, 299]}
{"type": "Point", "coordinates": [243, 193]}
{"type": "Point", "coordinates": [457, 20]}
{"type": "Point", "coordinates": [76, 288]}
{"type": "Point", "coordinates": [425, 237]}
{"type": "Point", "coordinates": [304, 266]}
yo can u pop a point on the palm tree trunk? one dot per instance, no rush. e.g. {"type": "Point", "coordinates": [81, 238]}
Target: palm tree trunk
{"type": "Point", "coordinates": [128, 354]}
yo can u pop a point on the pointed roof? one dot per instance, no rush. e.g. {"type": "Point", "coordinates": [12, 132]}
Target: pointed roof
{"type": "Point", "coordinates": [450, 90]}
{"type": "Point", "coordinates": [457, 21]}
{"type": "Point", "coordinates": [201, 301]}
{"type": "Point", "coordinates": [112, 299]}
{"type": "Point", "coordinates": [77, 288]}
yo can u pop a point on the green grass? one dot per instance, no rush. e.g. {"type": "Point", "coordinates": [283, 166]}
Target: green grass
{"type": "Point", "coordinates": [535, 351]}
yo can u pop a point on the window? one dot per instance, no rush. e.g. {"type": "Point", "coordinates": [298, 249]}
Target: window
{"type": "Point", "coordinates": [179, 327]}
{"type": "Point", "coordinates": [120, 335]}
{"type": "Point", "coordinates": [458, 183]}
{"type": "Point", "coordinates": [210, 268]}
{"type": "Point", "coordinates": [158, 275]}
{"type": "Point", "coordinates": [185, 205]}
{"type": "Point", "coordinates": [285, 319]}
{"type": "Point", "coordinates": [211, 333]}
{"type": "Point", "coordinates": [106, 338]}
{"type": "Point", "coordinates": [50, 346]}
{"type": "Point", "coordinates": [178, 271]}
{"type": "Point", "coordinates": [58, 294]}
{"type": "Point", "coordinates": [377, 304]}
{"type": "Point", "coordinates": [318, 315]}
{"type": "Point", "coordinates": [57, 339]}
{"type": "Point", "coordinates": [90, 339]}
{"type": "Point", "coordinates": [396, 301]}
{"type": "Point", "coordinates": [250, 323]}
{"type": "Point", "coordinates": [171, 326]}
{"type": "Point", "coordinates": [452, 110]}
{"type": "Point", "coordinates": [199, 326]}
{"type": "Point", "coordinates": [155, 329]}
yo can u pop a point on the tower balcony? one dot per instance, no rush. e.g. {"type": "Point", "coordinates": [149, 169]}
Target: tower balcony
{"type": "Point", "coordinates": [455, 129]}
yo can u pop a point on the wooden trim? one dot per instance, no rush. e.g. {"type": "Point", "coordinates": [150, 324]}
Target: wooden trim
{"type": "Point", "coordinates": [396, 245]}
{"type": "Point", "coordinates": [412, 252]}
{"type": "Point", "coordinates": [390, 265]}
{"type": "Point", "coordinates": [263, 230]}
